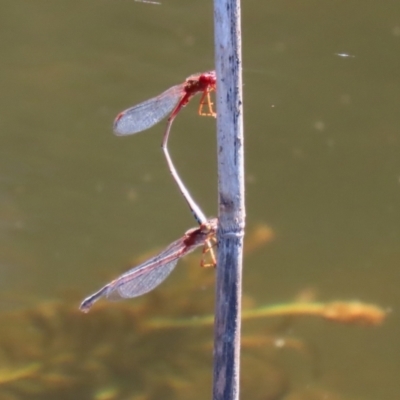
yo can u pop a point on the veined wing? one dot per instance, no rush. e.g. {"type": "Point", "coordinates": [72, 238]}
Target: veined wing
{"type": "Point", "coordinates": [140, 280]}
{"type": "Point", "coordinates": [148, 275]}
{"type": "Point", "coordinates": [144, 115]}
{"type": "Point", "coordinates": [133, 283]}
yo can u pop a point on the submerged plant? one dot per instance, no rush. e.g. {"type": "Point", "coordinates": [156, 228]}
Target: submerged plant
{"type": "Point", "coordinates": [158, 346]}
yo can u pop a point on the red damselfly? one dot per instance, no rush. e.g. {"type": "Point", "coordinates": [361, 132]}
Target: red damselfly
{"type": "Point", "coordinates": [150, 112]}
{"type": "Point", "coordinates": [148, 275]}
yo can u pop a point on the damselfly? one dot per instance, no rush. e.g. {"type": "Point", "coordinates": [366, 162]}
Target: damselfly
{"type": "Point", "coordinates": [150, 112]}
{"type": "Point", "coordinates": [148, 275]}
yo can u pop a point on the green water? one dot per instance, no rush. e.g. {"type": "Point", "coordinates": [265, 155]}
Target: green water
{"type": "Point", "coordinates": [77, 204]}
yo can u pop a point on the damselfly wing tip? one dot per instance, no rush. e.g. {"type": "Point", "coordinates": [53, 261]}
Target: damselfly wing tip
{"type": "Point", "coordinates": [87, 303]}
{"type": "Point", "coordinates": [117, 126]}
{"type": "Point", "coordinates": [124, 126]}
{"type": "Point", "coordinates": [85, 306]}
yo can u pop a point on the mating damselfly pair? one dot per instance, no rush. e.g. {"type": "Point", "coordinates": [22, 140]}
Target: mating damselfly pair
{"type": "Point", "coordinates": [148, 275]}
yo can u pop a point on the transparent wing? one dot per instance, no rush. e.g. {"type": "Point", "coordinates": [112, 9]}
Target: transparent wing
{"type": "Point", "coordinates": [138, 282]}
{"type": "Point", "coordinates": [148, 275]}
{"type": "Point", "coordinates": [148, 113]}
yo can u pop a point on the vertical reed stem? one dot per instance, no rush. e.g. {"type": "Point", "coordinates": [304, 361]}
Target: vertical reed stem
{"type": "Point", "coordinates": [231, 199]}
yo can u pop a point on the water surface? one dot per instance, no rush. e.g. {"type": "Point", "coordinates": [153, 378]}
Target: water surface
{"type": "Point", "coordinates": [322, 158]}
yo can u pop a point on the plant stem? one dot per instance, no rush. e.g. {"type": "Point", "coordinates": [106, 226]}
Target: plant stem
{"type": "Point", "coordinates": [231, 199]}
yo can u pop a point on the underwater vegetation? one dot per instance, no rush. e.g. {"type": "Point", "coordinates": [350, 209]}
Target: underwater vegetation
{"type": "Point", "coordinates": [55, 351]}
{"type": "Point", "coordinates": [131, 350]}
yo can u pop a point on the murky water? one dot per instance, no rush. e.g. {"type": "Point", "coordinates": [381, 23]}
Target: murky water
{"type": "Point", "coordinates": [322, 156]}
